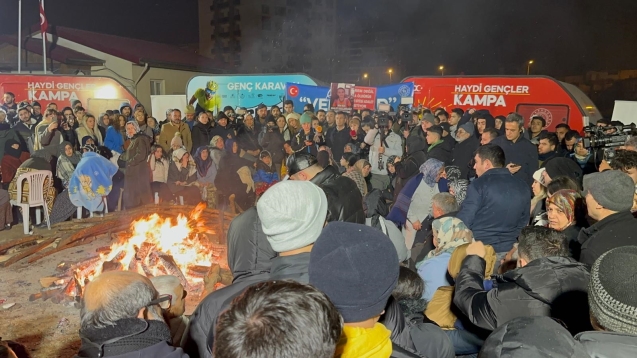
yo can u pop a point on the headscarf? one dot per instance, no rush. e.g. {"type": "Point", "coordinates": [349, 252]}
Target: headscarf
{"type": "Point", "coordinates": [202, 165]}
{"type": "Point", "coordinates": [90, 148]}
{"type": "Point", "coordinates": [362, 163]}
{"type": "Point", "coordinates": [135, 125]}
{"type": "Point", "coordinates": [357, 177]}
{"type": "Point", "coordinates": [100, 121]}
{"type": "Point", "coordinates": [9, 150]}
{"type": "Point", "coordinates": [452, 232]}
{"type": "Point", "coordinates": [565, 200]}
{"type": "Point", "coordinates": [228, 147]}
{"type": "Point", "coordinates": [85, 139]}
{"type": "Point", "coordinates": [430, 170]}
{"type": "Point", "coordinates": [390, 161]}
{"type": "Point", "coordinates": [213, 141]}
{"type": "Point", "coordinates": [453, 172]}
{"type": "Point", "coordinates": [460, 187]}
{"type": "Point", "coordinates": [74, 158]}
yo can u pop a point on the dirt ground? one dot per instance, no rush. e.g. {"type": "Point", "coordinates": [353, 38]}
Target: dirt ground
{"type": "Point", "coordinates": [46, 329]}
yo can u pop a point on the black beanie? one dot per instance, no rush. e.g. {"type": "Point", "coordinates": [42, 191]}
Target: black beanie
{"type": "Point", "coordinates": [556, 167]}
{"type": "Point", "coordinates": [357, 267]}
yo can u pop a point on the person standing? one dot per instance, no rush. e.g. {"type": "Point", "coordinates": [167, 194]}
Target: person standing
{"type": "Point", "coordinates": [383, 144]}
{"type": "Point", "coordinates": [168, 131]}
{"type": "Point", "coordinates": [521, 155]}
{"type": "Point", "coordinates": [464, 151]}
{"type": "Point", "coordinates": [338, 135]}
{"type": "Point", "coordinates": [137, 174]}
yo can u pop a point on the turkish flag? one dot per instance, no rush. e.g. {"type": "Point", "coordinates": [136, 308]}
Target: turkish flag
{"type": "Point", "coordinates": [44, 25]}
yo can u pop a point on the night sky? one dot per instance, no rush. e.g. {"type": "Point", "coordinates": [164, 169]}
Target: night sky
{"type": "Point", "coordinates": [469, 36]}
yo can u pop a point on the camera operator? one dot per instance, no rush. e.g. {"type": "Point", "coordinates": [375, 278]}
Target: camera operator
{"type": "Point", "coordinates": [307, 140]}
{"type": "Point", "coordinates": [383, 144]}
{"type": "Point", "coordinates": [428, 120]}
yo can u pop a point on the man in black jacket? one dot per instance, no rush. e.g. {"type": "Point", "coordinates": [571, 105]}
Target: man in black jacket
{"type": "Point", "coordinates": [609, 198]}
{"type": "Point", "coordinates": [547, 282]}
{"type": "Point", "coordinates": [437, 148]}
{"type": "Point", "coordinates": [344, 200]}
{"type": "Point", "coordinates": [521, 155]}
{"type": "Point", "coordinates": [465, 150]}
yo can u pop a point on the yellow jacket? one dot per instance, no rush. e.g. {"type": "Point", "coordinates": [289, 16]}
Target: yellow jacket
{"type": "Point", "coordinates": [358, 342]}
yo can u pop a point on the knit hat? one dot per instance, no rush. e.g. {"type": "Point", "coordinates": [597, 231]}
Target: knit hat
{"type": "Point", "coordinates": [537, 176]}
{"type": "Point", "coordinates": [556, 167]}
{"type": "Point", "coordinates": [190, 109]}
{"type": "Point", "coordinates": [428, 117]}
{"type": "Point", "coordinates": [292, 214]}
{"type": "Point", "coordinates": [612, 189]}
{"type": "Point", "coordinates": [356, 266]}
{"type": "Point", "coordinates": [292, 115]}
{"type": "Point", "coordinates": [611, 291]}
{"type": "Point", "coordinates": [179, 153]}
{"type": "Point", "coordinates": [445, 127]}
{"type": "Point", "coordinates": [213, 141]}
{"type": "Point", "coordinates": [306, 117]}
{"type": "Point", "coordinates": [469, 128]}
{"type": "Point", "coordinates": [435, 129]}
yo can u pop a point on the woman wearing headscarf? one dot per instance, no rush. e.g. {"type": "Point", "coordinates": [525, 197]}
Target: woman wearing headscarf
{"type": "Point", "coordinates": [348, 161]}
{"type": "Point", "coordinates": [206, 174]}
{"type": "Point", "coordinates": [67, 161]}
{"type": "Point", "coordinates": [217, 149]}
{"type": "Point", "coordinates": [159, 164]}
{"type": "Point", "coordinates": [137, 173]}
{"type": "Point", "coordinates": [182, 177]}
{"type": "Point", "coordinates": [89, 128]}
{"type": "Point", "coordinates": [228, 180]}
{"type": "Point", "coordinates": [365, 168]}
{"type": "Point", "coordinates": [103, 123]}
{"type": "Point", "coordinates": [449, 233]}
{"type": "Point", "coordinates": [40, 160]}
{"type": "Point", "coordinates": [13, 157]}
{"type": "Point", "coordinates": [538, 207]}
{"type": "Point", "coordinates": [458, 188]}
{"type": "Point", "coordinates": [566, 213]}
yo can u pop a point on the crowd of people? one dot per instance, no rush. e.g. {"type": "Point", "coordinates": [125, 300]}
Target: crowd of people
{"type": "Point", "coordinates": [452, 234]}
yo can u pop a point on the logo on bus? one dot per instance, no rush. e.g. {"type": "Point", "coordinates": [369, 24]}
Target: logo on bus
{"type": "Point", "coordinates": [544, 113]}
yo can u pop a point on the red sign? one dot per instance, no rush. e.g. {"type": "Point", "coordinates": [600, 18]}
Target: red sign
{"type": "Point", "coordinates": [364, 97]}
{"type": "Point", "coordinates": [293, 91]}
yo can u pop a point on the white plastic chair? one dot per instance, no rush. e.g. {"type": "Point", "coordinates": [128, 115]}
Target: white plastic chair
{"type": "Point", "coordinates": [104, 201]}
{"type": "Point", "coordinates": [36, 180]}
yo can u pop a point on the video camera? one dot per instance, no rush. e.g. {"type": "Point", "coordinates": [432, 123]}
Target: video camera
{"type": "Point", "coordinates": [598, 137]}
{"type": "Point", "coordinates": [383, 115]}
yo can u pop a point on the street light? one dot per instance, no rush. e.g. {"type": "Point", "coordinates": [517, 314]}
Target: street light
{"type": "Point", "coordinates": [528, 67]}
{"type": "Point", "coordinates": [442, 70]}
{"type": "Point", "coordinates": [369, 80]}
{"type": "Point", "coordinates": [390, 72]}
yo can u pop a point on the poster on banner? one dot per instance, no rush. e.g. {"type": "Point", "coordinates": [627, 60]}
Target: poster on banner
{"type": "Point", "coordinates": [395, 95]}
{"type": "Point", "coordinates": [365, 98]}
{"type": "Point", "coordinates": [342, 96]}
{"type": "Point", "coordinates": [301, 95]}
{"type": "Point", "coordinates": [213, 93]}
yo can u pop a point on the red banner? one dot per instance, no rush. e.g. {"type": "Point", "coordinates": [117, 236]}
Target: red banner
{"type": "Point", "coordinates": [44, 24]}
{"type": "Point", "coordinates": [365, 97]}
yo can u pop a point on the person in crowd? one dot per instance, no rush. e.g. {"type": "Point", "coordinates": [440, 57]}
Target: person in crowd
{"type": "Point", "coordinates": [560, 131]}
{"type": "Point", "coordinates": [273, 139]}
{"type": "Point", "coordinates": [330, 120]}
{"type": "Point", "coordinates": [548, 147]}
{"type": "Point", "coordinates": [611, 297]}
{"type": "Point", "coordinates": [625, 161]}
{"type": "Point", "coordinates": [68, 159]}
{"type": "Point", "coordinates": [583, 157]}
{"type": "Point", "coordinates": [103, 123]}
{"type": "Point", "coordinates": [174, 309]}
{"type": "Point", "coordinates": [294, 124]}
{"type": "Point", "coordinates": [376, 209]}
{"type": "Point", "coordinates": [25, 128]}
{"type": "Point", "coordinates": [458, 188]}
{"type": "Point", "coordinates": [344, 199]}
{"type": "Point", "coordinates": [538, 203]}
{"type": "Point", "coordinates": [89, 128]}
{"type": "Point", "coordinates": [114, 139]}
{"type": "Point", "coordinates": [36, 110]}
{"type": "Point", "coordinates": [121, 316]}
{"type": "Point", "coordinates": [260, 118]}
{"type": "Point", "coordinates": [79, 113]}
{"type": "Point", "coordinates": [266, 174]}
{"type": "Point", "coordinates": [436, 148]}
{"type": "Point", "coordinates": [288, 106]}
{"type": "Point", "coordinates": [488, 135]}
{"type": "Point", "coordinates": [304, 140]}
{"type": "Point", "coordinates": [223, 129]}
{"type": "Point", "coordinates": [47, 135]}
{"type": "Point", "coordinates": [562, 167]}
{"type": "Point", "coordinates": [532, 337]}
{"type": "Point", "coordinates": [324, 157]}
{"type": "Point", "coordinates": [7, 134]}
{"type": "Point", "coordinates": [547, 282]}
{"type": "Point", "coordinates": [141, 118]}
{"type": "Point", "coordinates": [249, 260]}
{"type": "Point", "coordinates": [189, 118]}
{"type": "Point", "coordinates": [609, 198]}
{"type": "Point", "coordinates": [454, 121]}
{"type": "Point", "coordinates": [497, 204]}
{"type": "Point", "coordinates": [428, 120]}
{"type": "Point", "coordinates": [383, 144]}
{"type": "Point", "coordinates": [348, 161]}
{"type": "Point", "coordinates": [535, 129]}
{"type": "Point", "coordinates": [521, 155]}
{"type": "Point", "coordinates": [217, 149]}
{"type": "Point", "coordinates": [448, 233]}
{"type": "Point", "coordinates": [137, 173]}
{"type": "Point", "coordinates": [10, 107]}
{"type": "Point", "coordinates": [408, 167]}
{"type": "Point", "coordinates": [228, 180]}
{"type": "Point", "coordinates": [202, 132]}
{"type": "Point", "coordinates": [6, 210]}
{"type": "Point", "coordinates": [336, 137]}
{"type": "Point", "coordinates": [126, 110]}
{"type": "Point", "coordinates": [168, 131]}
{"type": "Point", "coordinates": [566, 213]}
{"type": "Point", "coordinates": [206, 174]}
{"type": "Point", "coordinates": [159, 164]}
{"type": "Point", "coordinates": [182, 175]}
{"type": "Point", "coordinates": [561, 183]}
{"type": "Point", "coordinates": [570, 139]}
{"type": "Point", "coordinates": [311, 325]}
{"type": "Point", "coordinates": [464, 150]}
{"type": "Point", "coordinates": [356, 133]}
{"type": "Point", "coordinates": [248, 139]}
{"type": "Point", "coordinates": [282, 126]}
{"type": "Point", "coordinates": [152, 124]}
{"type": "Point", "coordinates": [69, 128]}
{"type": "Point", "coordinates": [13, 157]}
{"type": "Point", "coordinates": [484, 120]}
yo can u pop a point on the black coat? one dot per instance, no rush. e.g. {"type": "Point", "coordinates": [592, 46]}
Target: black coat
{"type": "Point", "coordinates": [201, 136]}
{"type": "Point", "coordinates": [336, 140]}
{"type": "Point", "coordinates": [407, 168]}
{"type": "Point", "coordinates": [551, 286]}
{"type": "Point", "coordinates": [523, 153]}
{"type": "Point", "coordinates": [273, 143]}
{"type": "Point", "coordinates": [441, 152]}
{"type": "Point", "coordinates": [344, 200]}
{"type": "Point", "coordinates": [463, 155]}
{"type": "Point", "coordinates": [249, 260]}
{"type": "Point", "coordinates": [608, 344]}
{"type": "Point", "coordinates": [616, 230]}
{"type": "Point", "coordinates": [248, 139]}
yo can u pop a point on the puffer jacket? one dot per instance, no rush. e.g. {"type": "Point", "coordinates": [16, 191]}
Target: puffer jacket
{"type": "Point", "coordinates": [608, 344]}
{"type": "Point", "coordinates": [249, 255]}
{"type": "Point", "coordinates": [344, 200]}
{"type": "Point", "coordinates": [550, 286]}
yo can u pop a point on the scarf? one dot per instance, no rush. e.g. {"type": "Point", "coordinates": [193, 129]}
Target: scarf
{"type": "Point", "coordinates": [430, 170]}
{"type": "Point", "coordinates": [358, 178]}
{"type": "Point", "coordinates": [202, 165]}
{"type": "Point", "coordinates": [452, 232]}
{"type": "Point", "coordinates": [459, 187]}
{"type": "Point", "coordinates": [565, 200]}
{"type": "Point", "coordinates": [74, 158]}
{"type": "Point", "coordinates": [40, 128]}
{"type": "Point", "coordinates": [358, 342]}
{"type": "Point", "coordinates": [135, 125]}
{"type": "Point", "coordinates": [452, 172]}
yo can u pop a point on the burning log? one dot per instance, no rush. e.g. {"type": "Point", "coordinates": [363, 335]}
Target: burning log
{"type": "Point", "coordinates": [169, 264]}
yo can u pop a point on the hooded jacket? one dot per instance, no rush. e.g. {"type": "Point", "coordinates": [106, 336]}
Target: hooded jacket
{"type": "Point", "coordinates": [249, 256]}
{"type": "Point", "coordinates": [463, 155]}
{"type": "Point", "coordinates": [344, 200]}
{"type": "Point", "coordinates": [550, 286]}
{"type": "Point", "coordinates": [486, 115]}
{"type": "Point", "coordinates": [132, 113]}
{"type": "Point", "coordinates": [408, 167]}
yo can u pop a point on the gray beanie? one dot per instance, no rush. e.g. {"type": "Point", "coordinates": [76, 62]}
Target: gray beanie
{"type": "Point", "coordinates": [611, 291]}
{"type": "Point", "coordinates": [292, 214]}
{"type": "Point", "coordinates": [468, 127]}
{"type": "Point", "coordinates": [428, 117]}
{"type": "Point", "coordinates": [612, 189]}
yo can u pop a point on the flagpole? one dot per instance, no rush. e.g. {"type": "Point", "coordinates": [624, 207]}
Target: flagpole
{"type": "Point", "coordinates": [20, 36]}
{"type": "Point", "coordinates": [43, 43]}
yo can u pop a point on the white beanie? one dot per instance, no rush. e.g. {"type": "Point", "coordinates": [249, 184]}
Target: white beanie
{"type": "Point", "coordinates": [179, 153]}
{"type": "Point", "coordinates": [292, 214]}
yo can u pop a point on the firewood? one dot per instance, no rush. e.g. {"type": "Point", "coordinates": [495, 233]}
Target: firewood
{"type": "Point", "coordinates": [168, 263]}
{"type": "Point", "coordinates": [103, 228]}
{"type": "Point", "coordinates": [45, 295]}
{"type": "Point", "coordinates": [59, 248]}
{"type": "Point", "coordinates": [12, 243]}
{"type": "Point", "coordinates": [46, 282]}
{"type": "Point", "coordinates": [27, 252]}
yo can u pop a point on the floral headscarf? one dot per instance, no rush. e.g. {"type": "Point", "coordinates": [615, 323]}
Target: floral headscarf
{"type": "Point", "coordinates": [135, 125]}
{"type": "Point", "coordinates": [452, 232]}
{"type": "Point", "coordinates": [453, 172]}
{"type": "Point", "coordinates": [430, 170]}
{"type": "Point", "coordinates": [565, 200]}
{"type": "Point", "coordinates": [459, 187]}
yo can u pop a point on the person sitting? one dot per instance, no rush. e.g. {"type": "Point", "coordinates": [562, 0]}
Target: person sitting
{"type": "Point", "coordinates": [408, 167]}
{"type": "Point", "coordinates": [443, 205]}
{"type": "Point", "coordinates": [538, 203]}
{"type": "Point", "coordinates": [448, 233]}
{"type": "Point", "coordinates": [159, 164]}
{"type": "Point", "coordinates": [176, 307]}
{"type": "Point", "coordinates": [266, 174]}
{"type": "Point", "coordinates": [206, 174]}
{"type": "Point", "coordinates": [310, 325]}
{"type": "Point", "coordinates": [228, 181]}
{"type": "Point", "coordinates": [566, 213]}
{"type": "Point", "coordinates": [547, 282]}
{"type": "Point", "coordinates": [89, 128]}
{"type": "Point", "coordinates": [67, 162]}
{"type": "Point", "coordinates": [13, 157]}
{"type": "Point", "coordinates": [304, 140]}
{"type": "Point", "coordinates": [217, 146]}
{"type": "Point", "coordinates": [376, 209]}
{"type": "Point", "coordinates": [121, 316]}
{"type": "Point", "coordinates": [609, 198]}
{"type": "Point", "coordinates": [182, 174]}
{"type": "Point", "coordinates": [613, 303]}
{"type": "Point", "coordinates": [348, 161]}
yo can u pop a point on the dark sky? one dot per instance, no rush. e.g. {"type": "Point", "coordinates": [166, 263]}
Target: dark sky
{"type": "Point", "coordinates": [470, 36]}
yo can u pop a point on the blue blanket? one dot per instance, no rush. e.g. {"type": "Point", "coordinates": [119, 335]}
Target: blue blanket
{"type": "Point", "coordinates": [398, 213]}
{"type": "Point", "coordinates": [91, 181]}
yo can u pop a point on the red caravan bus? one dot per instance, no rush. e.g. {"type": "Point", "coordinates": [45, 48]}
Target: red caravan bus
{"type": "Point", "coordinates": [556, 101]}
{"type": "Point", "coordinates": [96, 93]}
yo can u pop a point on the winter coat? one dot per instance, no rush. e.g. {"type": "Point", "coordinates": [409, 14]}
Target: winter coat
{"type": "Point", "coordinates": [393, 146]}
{"type": "Point", "coordinates": [407, 168]}
{"type": "Point", "coordinates": [294, 267]}
{"type": "Point", "coordinates": [550, 286]}
{"type": "Point", "coordinates": [600, 344]}
{"type": "Point", "coordinates": [249, 260]}
{"type": "Point", "coordinates": [114, 140]}
{"type": "Point", "coordinates": [7, 133]}
{"type": "Point", "coordinates": [137, 174]}
{"type": "Point", "coordinates": [298, 142]}
{"type": "Point", "coordinates": [158, 168]}
{"type": "Point", "coordinates": [265, 174]}
{"type": "Point", "coordinates": [201, 136]}
{"type": "Point", "coordinates": [336, 140]}
{"type": "Point", "coordinates": [273, 143]}
{"type": "Point", "coordinates": [168, 131]}
{"type": "Point", "coordinates": [344, 200]}
{"type": "Point", "coordinates": [148, 131]}
{"type": "Point", "coordinates": [463, 154]}
{"type": "Point", "coordinates": [523, 153]}
{"type": "Point", "coordinates": [25, 131]}
{"type": "Point", "coordinates": [183, 175]}
{"type": "Point", "coordinates": [496, 208]}
{"type": "Point", "coordinates": [441, 152]}
{"type": "Point", "coordinates": [619, 229]}
{"type": "Point", "coordinates": [248, 139]}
